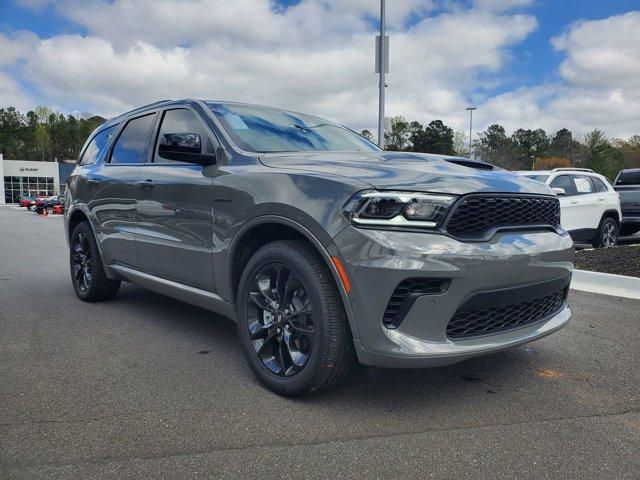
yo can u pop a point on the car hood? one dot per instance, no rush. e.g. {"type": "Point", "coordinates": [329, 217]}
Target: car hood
{"type": "Point", "coordinates": [406, 171]}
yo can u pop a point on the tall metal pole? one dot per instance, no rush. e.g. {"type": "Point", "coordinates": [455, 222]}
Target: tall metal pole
{"type": "Point", "coordinates": [471, 109]}
{"type": "Point", "coordinates": [382, 82]}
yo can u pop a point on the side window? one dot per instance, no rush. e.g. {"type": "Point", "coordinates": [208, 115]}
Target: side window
{"type": "Point", "coordinates": [96, 146]}
{"type": "Point", "coordinates": [133, 143]}
{"type": "Point", "coordinates": [599, 184]}
{"type": "Point", "coordinates": [180, 121]}
{"type": "Point", "coordinates": [583, 185]}
{"type": "Point", "coordinates": [563, 181]}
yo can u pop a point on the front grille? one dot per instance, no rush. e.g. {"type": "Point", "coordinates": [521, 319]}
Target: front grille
{"type": "Point", "coordinates": [476, 215]}
{"type": "Point", "coordinates": [475, 323]}
{"type": "Point", "coordinates": [406, 294]}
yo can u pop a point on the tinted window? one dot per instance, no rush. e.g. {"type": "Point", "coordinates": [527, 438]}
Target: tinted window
{"type": "Point", "coordinates": [629, 177]}
{"type": "Point", "coordinates": [96, 146]}
{"type": "Point", "coordinates": [261, 129]}
{"type": "Point", "coordinates": [182, 121]}
{"type": "Point", "coordinates": [133, 142]}
{"type": "Point", "coordinates": [563, 181]}
{"type": "Point", "coordinates": [599, 184]}
{"type": "Point", "coordinates": [582, 185]}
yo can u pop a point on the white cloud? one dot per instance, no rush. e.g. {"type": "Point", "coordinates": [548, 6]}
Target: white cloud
{"type": "Point", "coordinates": [12, 94]}
{"type": "Point", "coordinates": [317, 56]}
{"type": "Point", "coordinates": [599, 86]}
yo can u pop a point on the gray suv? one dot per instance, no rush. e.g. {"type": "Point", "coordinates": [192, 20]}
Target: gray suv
{"type": "Point", "coordinates": [322, 247]}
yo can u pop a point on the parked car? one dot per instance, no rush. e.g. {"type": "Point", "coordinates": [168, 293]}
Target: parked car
{"type": "Point", "coordinates": [44, 203]}
{"type": "Point", "coordinates": [627, 184]}
{"type": "Point", "coordinates": [322, 247]}
{"type": "Point", "coordinates": [589, 204]}
{"type": "Point", "coordinates": [51, 205]}
{"type": "Point", "coordinates": [32, 204]}
{"type": "Point", "coordinates": [25, 200]}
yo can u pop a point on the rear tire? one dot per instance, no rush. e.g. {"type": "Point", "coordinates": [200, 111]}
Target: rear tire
{"type": "Point", "coordinates": [293, 353]}
{"type": "Point", "coordinates": [87, 271]}
{"type": "Point", "coordinates": [607, 235]}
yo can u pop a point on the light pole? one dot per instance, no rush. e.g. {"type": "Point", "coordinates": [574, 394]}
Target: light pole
{"type": "Point", "coordinates": [382, 66]}
{"type": "Point", "coordinates": [471, 109]}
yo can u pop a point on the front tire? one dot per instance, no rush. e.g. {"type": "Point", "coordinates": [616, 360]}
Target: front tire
{"type": "Point", "coordinates": [291, 321]}
{"type": "Point", "coordinates": [607, 235]}
{"type": "Point", "coordinates": [87, 272]}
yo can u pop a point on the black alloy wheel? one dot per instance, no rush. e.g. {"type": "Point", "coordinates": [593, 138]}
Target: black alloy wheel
{"type": "Point", "coordinates": [90, 281]}
{"type": "Point", "coordinates": [607, 234]}
{"type": "Point", "coordinates": [280, 322]}
{"type": "Point", "coordinates": [82, 262]}
{"type": "Point", "coordinates": [292, 324]}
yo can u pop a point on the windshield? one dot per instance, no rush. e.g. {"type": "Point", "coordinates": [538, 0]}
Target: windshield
{"type": "Point", "coordinates": [263, 130]}
{"type": "Point", "coordinates": [538, 178]}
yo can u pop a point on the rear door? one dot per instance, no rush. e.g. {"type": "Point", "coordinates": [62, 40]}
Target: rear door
{"type": "Point", "coordinates": [113, 185]}
{"type": "Point", "coordinates": [589, 208]}
{"type": "Point", "coordinates": [174, 239]}
{"type": "Point", "coordinates": [569, 216]}
{"type": "Point", "coordinates": [606, 195]}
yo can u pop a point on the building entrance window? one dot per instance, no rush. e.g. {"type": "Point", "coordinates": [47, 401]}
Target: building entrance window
{"type": "Point", "coordinates": [16, 186]}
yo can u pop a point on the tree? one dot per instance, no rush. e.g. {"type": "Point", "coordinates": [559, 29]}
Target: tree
{"type": "Point", "coordinates": [531, 144]}
{"type": "Point", "coordinates": [495, 147]}
{"type": "Point", "coordinates": [563, 145]}
{"type": "Point", "coordinates": [366, 134]}
{"type": "Point", "coordinates": [396, 133]}
{"type": "Point", "coordinates": [461, 144]}
{"type": "Point", "coordinates": [629, 151]}
{"type": "Point", "coordinates": [42, 143]}
{"type": "Point", "coordinates": [549, 163]}
{"type": "Point", "coordinates": [438, 138]}
{"type": "Point", "coordinates": [601, 156]}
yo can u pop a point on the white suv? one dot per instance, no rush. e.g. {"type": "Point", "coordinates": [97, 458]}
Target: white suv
{"type": "Point", "coordinates": [589, 206]}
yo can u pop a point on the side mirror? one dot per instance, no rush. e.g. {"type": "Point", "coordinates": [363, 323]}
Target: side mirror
{"type": "Point", "coordinates": [559, 191]}
{"type": "Point", "coordinates": [184, 147]}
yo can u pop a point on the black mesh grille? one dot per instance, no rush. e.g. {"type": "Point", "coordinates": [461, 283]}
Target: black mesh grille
{"type": "Point", "coordinates": [475, 323]}
{"type": "Point", "coordinates": [474, 216]}
{"type": "Point", "coordinates": [393, 314]}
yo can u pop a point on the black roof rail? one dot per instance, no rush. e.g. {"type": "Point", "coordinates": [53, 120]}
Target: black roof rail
{"type": "Point", "coordinates": [154, 104]}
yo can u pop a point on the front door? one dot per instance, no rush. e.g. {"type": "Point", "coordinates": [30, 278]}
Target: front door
{"type": "Point", "coordinates": [174, 237]}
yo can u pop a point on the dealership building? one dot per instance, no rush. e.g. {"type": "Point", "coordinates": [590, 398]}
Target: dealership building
{"type": "Point", "coordinates": [31, 178]}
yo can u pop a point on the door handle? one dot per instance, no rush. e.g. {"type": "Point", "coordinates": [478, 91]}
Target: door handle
{"type": "Point", "coordinates": [573, 202]}
{"type": "Point", "coordinates": [146, 184]}
{"type": "Point", "coordinates": [601, 199]}
{"type": "Point", "coordinates": [92, 182]}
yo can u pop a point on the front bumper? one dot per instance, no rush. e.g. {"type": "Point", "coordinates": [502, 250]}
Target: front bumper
{"type": "Point", "coordinates": [378, 261]}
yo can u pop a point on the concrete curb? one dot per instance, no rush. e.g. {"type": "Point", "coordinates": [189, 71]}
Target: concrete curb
{"type": "Point", "coordinates": [606, 283]}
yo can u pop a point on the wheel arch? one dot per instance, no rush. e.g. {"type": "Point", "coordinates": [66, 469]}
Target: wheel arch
{"type": "Point", "coordinates": [611, 214]}
{"type": "Point", "coordinates": [269, 228]}
{"type": "Point", "coordinates": [76, 216]}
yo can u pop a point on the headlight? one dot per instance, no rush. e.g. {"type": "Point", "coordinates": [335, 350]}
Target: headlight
{"type": "Point", "coordinates": [398, 209]}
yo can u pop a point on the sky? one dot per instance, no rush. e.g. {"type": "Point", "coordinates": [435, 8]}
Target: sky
{"type": "Point", "coordinates": [523, 63]}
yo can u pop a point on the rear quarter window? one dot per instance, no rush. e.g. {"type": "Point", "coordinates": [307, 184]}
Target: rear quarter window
{"type": "Point", "coordinates": [97, 146]}
{"type": "Point", "coordinates": [599, 185]}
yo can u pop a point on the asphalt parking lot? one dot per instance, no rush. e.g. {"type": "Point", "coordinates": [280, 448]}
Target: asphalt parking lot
{"type": "Point", "coordinates": [147, 387]}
